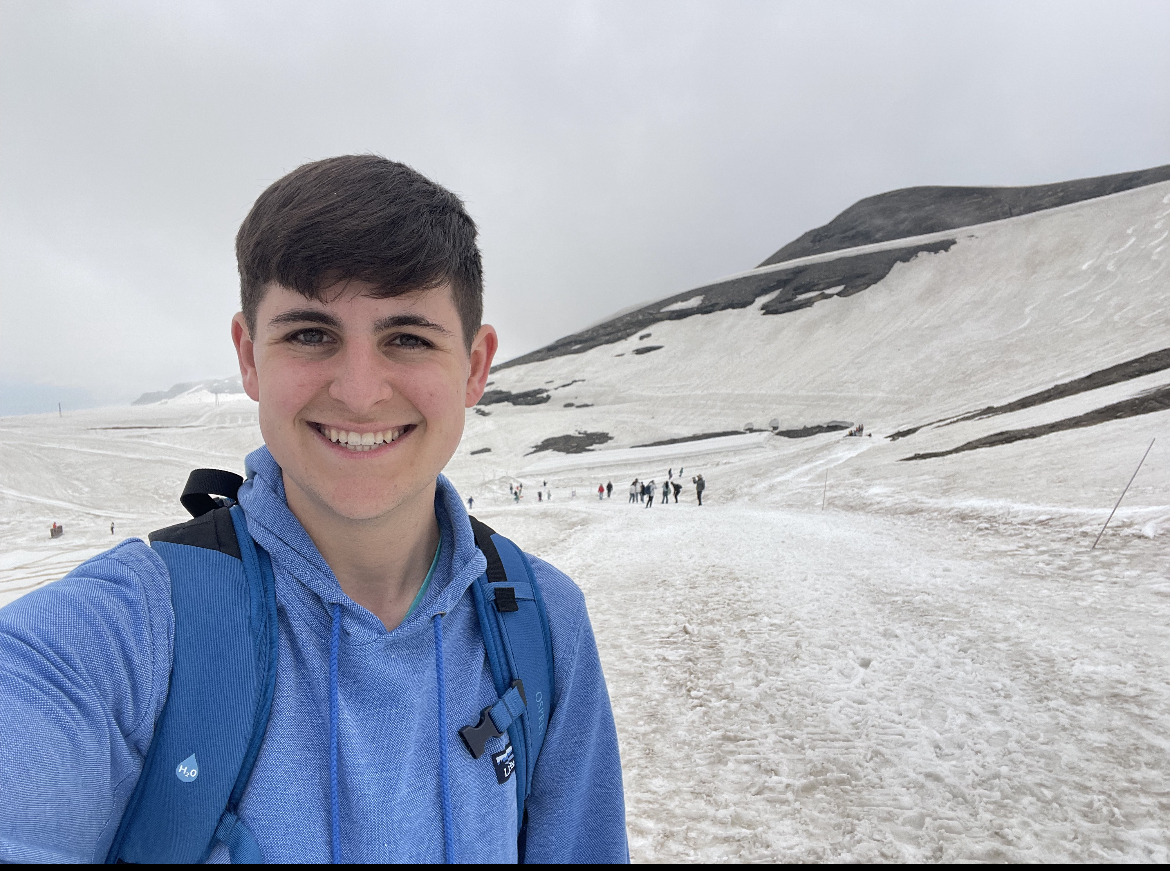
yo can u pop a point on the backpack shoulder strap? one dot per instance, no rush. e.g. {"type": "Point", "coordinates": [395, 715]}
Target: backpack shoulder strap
{"type": "Point", "coordinates": [514, 624]}
{"type": "Point", "coordinates": [222, 678]}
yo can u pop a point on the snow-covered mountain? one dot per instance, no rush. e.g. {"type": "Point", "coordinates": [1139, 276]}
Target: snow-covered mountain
{"type": "Point", "coordinates": [193, 391]}
{"type": "Point", "coordinates": [985, 360]}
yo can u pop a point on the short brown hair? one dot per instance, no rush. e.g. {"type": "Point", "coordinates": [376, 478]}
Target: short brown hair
{"type": "Point", "coordinates": [363, 218]}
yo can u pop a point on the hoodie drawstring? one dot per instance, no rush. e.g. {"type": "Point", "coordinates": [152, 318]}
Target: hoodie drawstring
{"type": "Point", "coordinates": [335, 804]}
{"type": "Point", "coordinates": [444, 774]}
{"type": "Point", "coordinates": [444, 766]}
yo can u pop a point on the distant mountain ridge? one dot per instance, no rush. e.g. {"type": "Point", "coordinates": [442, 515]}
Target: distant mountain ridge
{"type": "Point", "coordinates": [917, 211]}
{"type": "Point", "coordinates": [210, 385]}
{"type": "Point", "coordinates": [887, 217]}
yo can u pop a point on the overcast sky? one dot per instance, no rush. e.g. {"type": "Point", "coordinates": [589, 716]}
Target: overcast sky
{"type": "Point", "coordinates": [610, 152]}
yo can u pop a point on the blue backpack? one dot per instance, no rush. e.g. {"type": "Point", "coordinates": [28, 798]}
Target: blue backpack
{"type": "Point", "coordinates": [223, 674]}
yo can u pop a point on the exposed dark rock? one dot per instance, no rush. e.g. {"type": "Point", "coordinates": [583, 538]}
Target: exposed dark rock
{"type": "Point", "coordinates": [909, 431]}
{"type": "Point", "coordinates": [806, 431]}
{"type": "Point", "coordinates": [569, 383]}
{"type": "Point", "coordinates": [646, 349]}
{"type": "Point", "coordinates": [1148, 402]}
{"type": "Point", "coordinates": [578, 443]}
{"type": "Point", "coordinates": [481, 451]}
{"type": "Point", "coordinates": [526, 397]}
{"type": "Point", "coordinates": [795, 288]}
{"type": "Point", "coordinates": [915, 211]}
{"type": "Point", "coordinates": [568, 405]}
{"type": "Point", "coordinates": [691, 438]}
{"type": "Point", "coordinates": [482, 412]}
{"type": "Point", "coordinates": [644, 336]}
{"type": "Point", "coordinates": [902, 433]}
{"type": "Point", "coordinates": [1135, 368]}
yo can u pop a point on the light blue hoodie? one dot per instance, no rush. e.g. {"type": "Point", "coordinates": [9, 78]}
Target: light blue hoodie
{"type": "Point", "coordinates": [84, 666]}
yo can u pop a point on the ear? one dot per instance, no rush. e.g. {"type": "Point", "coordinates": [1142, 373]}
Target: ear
{"type": "Point", "coordinates": [483, 351]}
{"type": "Point", "coordinates": [246, 354]}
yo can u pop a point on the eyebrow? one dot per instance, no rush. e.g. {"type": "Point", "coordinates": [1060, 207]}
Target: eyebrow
{"type": "Point", "coordinates": [393, 321]}
{"type": "Point", "coordinates": [304, 315]}
{"type": "Point", "coordinates": [316, 316]}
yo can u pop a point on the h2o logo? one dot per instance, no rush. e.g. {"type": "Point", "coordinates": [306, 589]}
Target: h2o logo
{"type": "Point", "coordinates": [188, 769]}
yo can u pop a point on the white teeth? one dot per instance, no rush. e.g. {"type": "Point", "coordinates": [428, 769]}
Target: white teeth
{"type": "Point", "coordinates": [357, 441]}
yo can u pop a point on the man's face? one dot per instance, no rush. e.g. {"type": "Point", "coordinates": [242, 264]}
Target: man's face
{"type": "Point", "coordinates": [361, 399]}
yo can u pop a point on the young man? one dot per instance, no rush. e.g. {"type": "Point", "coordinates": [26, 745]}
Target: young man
{"type": "Point", "coordinates": [360, 338]}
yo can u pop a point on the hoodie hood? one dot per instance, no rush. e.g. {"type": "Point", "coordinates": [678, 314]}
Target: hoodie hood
{"type": "Point", "coordinates": [277, 530]}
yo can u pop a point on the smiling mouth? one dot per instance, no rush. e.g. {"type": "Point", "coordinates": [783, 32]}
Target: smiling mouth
{"type": "Point", "coordinates": [357, 442]}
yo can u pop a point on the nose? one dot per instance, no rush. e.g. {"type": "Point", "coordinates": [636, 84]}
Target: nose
{"type": "Point", "coordinates": [360, 380]}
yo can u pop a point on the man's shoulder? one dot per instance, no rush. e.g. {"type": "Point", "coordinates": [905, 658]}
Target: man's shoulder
{"type": "Point", "coordinates": [99, 637]}
{"type": "Point", "coordinates": [129, 571]}
{"type": "Point", "coordinates": [563, 599]}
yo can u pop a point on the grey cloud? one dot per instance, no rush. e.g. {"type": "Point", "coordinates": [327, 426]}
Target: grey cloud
{"type": "Point", "coordinates": [611, 152]}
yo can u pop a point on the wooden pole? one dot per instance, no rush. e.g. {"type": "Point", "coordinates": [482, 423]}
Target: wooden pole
{"type": "Point", "coordinates": [1123, 492]}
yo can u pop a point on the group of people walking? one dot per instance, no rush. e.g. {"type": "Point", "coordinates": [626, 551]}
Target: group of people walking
{"type": "Point", "coordinates": [641, 492]}
{"type": "Point", "coordinates": [644, 492]}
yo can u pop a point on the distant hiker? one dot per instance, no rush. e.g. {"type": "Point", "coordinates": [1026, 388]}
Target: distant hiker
{"type": "Point", "coordinates": [670, 474]}
{"type": "Point", "coordinates": [680, 471]}
{"type": "Point", "coordinates": [516, 496]}
{"type": "Point", "coordinates": [539, 496]}
{"type": "Point", "coordinates": [650, 494]}
{"type": "Point", "coordinates": [257, 649]}
{"type": "Point", "coordinates": [111, 529]}
{"type": "Point", "coordinates": [665, 492]}
{"type": "Point", "coordinates": [510, 491]}
{"type": "Point", "coordinates": [600, 491]}
{"type": "Point", "coordinates": [608, 489]}
{"type": "Point", "coordinates": [700, 485]}
{"type": "Point", "coordinates": [470, 502]}
{"type": "Point", "coordinates": [548, 495]}
{"type": "Point", "coordinates": [677, 489]}
{"type": "Point", "coordinates": [634, 491]}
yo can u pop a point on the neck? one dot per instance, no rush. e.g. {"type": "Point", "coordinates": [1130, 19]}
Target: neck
{"type": "Point", "coordinates": [381, 562]}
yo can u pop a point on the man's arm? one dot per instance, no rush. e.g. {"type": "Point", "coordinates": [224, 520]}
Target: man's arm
{"type": "Point", "coordinates": [84, 666]}
{"type": "Point", "coordinates": [576, 811]}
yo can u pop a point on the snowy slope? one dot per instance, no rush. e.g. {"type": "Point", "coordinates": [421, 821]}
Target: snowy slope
{"type": "Point", "coordinates": [934, 666]}
{"type": "Point", "coordinates": [1012, 308]}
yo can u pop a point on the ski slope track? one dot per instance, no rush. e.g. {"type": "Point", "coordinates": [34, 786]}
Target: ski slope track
{"type": "Point", "coordinates": [845, 654]}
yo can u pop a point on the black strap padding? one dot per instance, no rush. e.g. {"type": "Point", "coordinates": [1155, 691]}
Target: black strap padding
{"type": "Point", "coordinates": [213, 531]}
{"type": "Point", "coordinates": [202, 484]}
{"type": "Point", "coordinates": [483, 540]}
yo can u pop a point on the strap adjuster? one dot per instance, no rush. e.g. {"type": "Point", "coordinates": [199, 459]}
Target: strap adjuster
{"type": "Point", "coordinates": [494, 720]}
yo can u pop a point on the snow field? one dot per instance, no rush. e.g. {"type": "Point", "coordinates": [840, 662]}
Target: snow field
{"type": "Point", "coordinates": [806, 686]}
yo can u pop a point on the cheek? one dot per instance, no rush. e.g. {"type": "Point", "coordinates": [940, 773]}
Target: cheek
{"type": "Point", "coordinates": [287, 388]}
{"type": "Point", "coordinates": [439, 399]}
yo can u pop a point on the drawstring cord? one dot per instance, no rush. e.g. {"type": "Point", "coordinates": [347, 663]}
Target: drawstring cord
{"type": "Point", "coordinates": [444, 765]}
{"type": "Point", "coordinates": [444, 774]}
{"type": "Point", "coordinates": [333, 706]}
